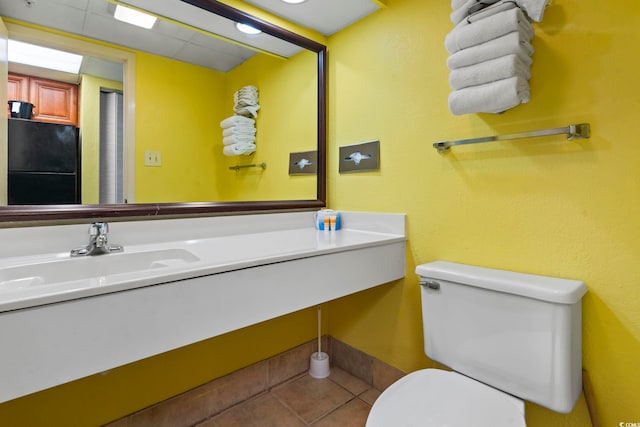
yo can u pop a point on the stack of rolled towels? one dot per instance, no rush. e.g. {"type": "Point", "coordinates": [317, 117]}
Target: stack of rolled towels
{"type": "Point", "coordinates": [246, 101]}
{"type": "Point", "coordinates": [489, 55]}
{"type": "Point", "coordinates": [238, 135]}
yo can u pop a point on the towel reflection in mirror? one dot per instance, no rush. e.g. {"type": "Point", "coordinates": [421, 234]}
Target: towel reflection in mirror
{"type": "Point", "coordinates": [239, 130]}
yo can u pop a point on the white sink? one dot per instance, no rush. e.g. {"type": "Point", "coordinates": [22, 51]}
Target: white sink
{"type": "Point", "coordinates": [90, 267]}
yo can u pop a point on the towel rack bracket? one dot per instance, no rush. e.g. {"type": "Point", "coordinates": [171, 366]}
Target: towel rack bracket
{"type": "Point", "coordinates": [579, 131]}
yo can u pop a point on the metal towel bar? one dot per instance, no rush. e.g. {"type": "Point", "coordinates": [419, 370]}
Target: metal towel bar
{"type": "Point", "coordinates": [238, 167]}
{"type": "Point", "coordinates": [579, 131]}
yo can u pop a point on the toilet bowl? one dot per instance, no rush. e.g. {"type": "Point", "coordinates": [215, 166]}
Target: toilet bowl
{"type": "Point", "coordinates": [437, 398]}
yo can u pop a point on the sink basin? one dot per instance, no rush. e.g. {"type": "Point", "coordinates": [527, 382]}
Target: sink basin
{"type": "Point", "coordinates": [70, 269]}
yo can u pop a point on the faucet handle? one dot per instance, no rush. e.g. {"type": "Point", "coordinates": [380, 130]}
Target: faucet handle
{"type": "Point", "coordinates": [98, 229]}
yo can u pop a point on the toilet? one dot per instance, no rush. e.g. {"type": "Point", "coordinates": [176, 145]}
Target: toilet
{"type": "Point", "coordinates": [508, 337]}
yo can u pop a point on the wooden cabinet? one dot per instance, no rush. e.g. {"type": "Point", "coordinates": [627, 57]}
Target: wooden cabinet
{"type": "Point", "coordinates": [18, 89]}
{"type": "Point", "coordinates": [54, 101]}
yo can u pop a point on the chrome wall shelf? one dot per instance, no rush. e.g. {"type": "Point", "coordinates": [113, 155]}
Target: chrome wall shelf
{"type": "Point", "coordinates": [579, 131]}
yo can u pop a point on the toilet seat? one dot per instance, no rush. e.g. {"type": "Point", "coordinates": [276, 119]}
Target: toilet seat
{"type": "Point", "coordinates": [437, 398]}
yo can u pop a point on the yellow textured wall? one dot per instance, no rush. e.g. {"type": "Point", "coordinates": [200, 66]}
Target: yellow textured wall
{"type": "Point", "coordinates": [544, 206]}
{"type": "Point", "coordinates": [178, 107]}
{"type": "Point", "coordinates": [90, 134]}
{"type": "Point", "coordinates": [286, 123]}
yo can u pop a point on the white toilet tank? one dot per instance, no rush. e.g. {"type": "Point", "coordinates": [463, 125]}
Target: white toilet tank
{"type": "Point", "coordinates": [520, 333]}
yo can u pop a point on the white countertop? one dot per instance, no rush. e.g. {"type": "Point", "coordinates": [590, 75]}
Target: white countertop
{"type": "Point", "coordinates": [224, 247]}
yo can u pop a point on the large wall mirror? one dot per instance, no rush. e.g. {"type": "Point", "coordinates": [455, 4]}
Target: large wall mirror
{"type": "Point", "coordinates": [174, 102]}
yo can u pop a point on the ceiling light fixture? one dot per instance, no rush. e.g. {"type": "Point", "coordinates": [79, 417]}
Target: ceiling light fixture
{"type": "Point", "coordinates": [294, 1]}
{"type": "Point", "coordinates": [43, 57]}
{"type": "Point", "coordinates": [247, 29]}
{"type": "Point", "coordinates": [134, 17]}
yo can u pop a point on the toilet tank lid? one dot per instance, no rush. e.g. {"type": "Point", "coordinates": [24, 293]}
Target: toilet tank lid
{"type": "Point", "coordinates": [551, 289]}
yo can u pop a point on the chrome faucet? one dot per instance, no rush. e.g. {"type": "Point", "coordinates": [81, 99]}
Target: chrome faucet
{"type": "Point", "coordinates": [98, 243]}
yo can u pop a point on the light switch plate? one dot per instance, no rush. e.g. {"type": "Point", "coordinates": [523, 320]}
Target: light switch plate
{"type": "Point", "coordinates": [152, 158]}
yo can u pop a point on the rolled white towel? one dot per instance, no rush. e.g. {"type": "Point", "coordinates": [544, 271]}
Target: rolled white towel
{"type": "Point", "coordinates": [244, 101]}
{"type": "Point", "coordinates": [485, 12]}
{"type": "Point", "coordinates": [515, 42]}
{"type": "Point", "coordinates": [236, 120]}
{"type": "Point", "coordinates": [249, 90]}
{"type": "Point", "coordinates": [238, 149]}
{"type": "Point", "coordinates": [489, 71]}
{"type": "Point", "coordinates": [245, 97]}
{"type": "Point", "coordinates": [239, 130]}
{"type": "Point", "coordinates": [249, 110]}
{"type": "Point", "coordinates": [461, 12]}
{"type": "Point", "coordinates": [457, 4]}
{"type": "Point", "coordinates": [503, 6]}
{"type": "Point", "coordinates": [494, 97]}
{"type": "Point", "coordinates": [238, 139]}
{"type": "Point", "coordinates": [469, 7]}
{"type": "Point", "coordinates": [242, 104]}
{"type": "Point", "coordinates": [533, 8]}
{"type": "Point", "coordinates": [465, 35]}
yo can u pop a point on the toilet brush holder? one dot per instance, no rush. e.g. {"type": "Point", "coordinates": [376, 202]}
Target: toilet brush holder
{"type": "Point", "coordinates": [319, 365]}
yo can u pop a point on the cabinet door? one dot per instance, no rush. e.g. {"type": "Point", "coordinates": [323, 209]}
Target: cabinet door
{"type": "Point", "coordinates": [55, 102]}
{"type": "Point", "coordinates": [17, 89]}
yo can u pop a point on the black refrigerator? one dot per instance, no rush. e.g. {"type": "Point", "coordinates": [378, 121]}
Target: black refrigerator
{"type": "Point", "coordinates": [44, 163]}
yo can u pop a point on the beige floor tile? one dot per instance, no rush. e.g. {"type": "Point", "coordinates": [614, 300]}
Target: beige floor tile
{"type": "Point", "coordinates": [353, 414]}
{"type": "Point", "coordinates": [262, 411]}
{"type": "Point", "coordinates": [370, 396]}
{"type": "Point", "coordinates": [211, 422]}
{"type": "Point", "coordinates": [343, 378]}
{"type": "Point", "coordinates": [312, 398]}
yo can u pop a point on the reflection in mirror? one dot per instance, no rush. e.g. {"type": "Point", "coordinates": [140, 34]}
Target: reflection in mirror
{"type": "Point", "coordinates": [99, 86]}
{"type": "Point", "coordinates": [178, 107]}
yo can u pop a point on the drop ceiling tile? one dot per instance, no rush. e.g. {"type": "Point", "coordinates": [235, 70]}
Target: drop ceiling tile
{"type": "Point", "coordinates": [55, 15]}
{"type": "Point", "coordinates": [269, 43]}
{"type": "Point", "coordinates": [182, 12]}
{"type": "Point", "coordinates": [124, 34]}
{"type": "Point", "coordinates": [222, 46]}
{"type": "Point", "coordinates": [325, 16]}
{"type": "Point", "coordinates": [78, 4]}
{"type": "Point", "coordinates": [101, 7]}
{"type": "Point", "coordinates": [204, 57]}
{"type": "Point", "coordinates": [173, 30]}
{"type": "Point", "coordinates": [207, 21]}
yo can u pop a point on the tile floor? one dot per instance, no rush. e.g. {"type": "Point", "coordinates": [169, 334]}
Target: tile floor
{"type": "Point", "coordinates": [278, 392]}
{"type": "Point", "coordinates": [339, 400]}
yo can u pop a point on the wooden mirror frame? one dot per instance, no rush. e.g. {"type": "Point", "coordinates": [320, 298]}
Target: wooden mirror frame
{"type": "Point", "coordinates": [76, 213]}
